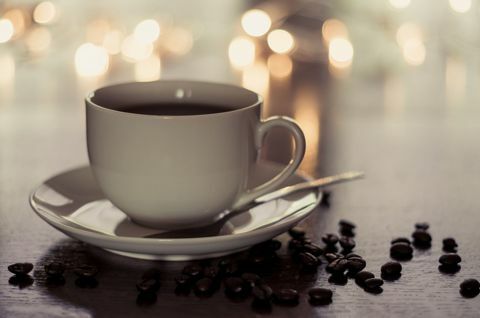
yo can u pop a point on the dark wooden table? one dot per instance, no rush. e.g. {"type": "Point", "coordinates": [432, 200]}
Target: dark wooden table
{"type": "Point", "coordinates": [414, 136]}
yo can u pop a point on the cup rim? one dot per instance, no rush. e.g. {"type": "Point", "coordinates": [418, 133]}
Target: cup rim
{"type": "Point", "coordinates": [91, 94]}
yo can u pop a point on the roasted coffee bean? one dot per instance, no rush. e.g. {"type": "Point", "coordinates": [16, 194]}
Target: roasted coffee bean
{"type": "Point", "coordinates": [401, 251]}
{"type": "Point", "coordinates": [193, 270]}
{"type": "Point", "coordinates": [86, 271]}
{"type": "Point", "coordinates": [338, 279]}
{"type": "Point", "coordinates": [146, 298]}
{"type": "Point", "coordinates": [231, 270]}
{"type": "Point", "coordinates": [262, 293]}
{"type": "Point", "coordinates": [355, 265]}
{"type": "Point", "coordinates": [312, 249]}
{"type": "Point", "coordinates": [346, 232]}
{"type": "Point", "coordinates": [362, 276]}
{"type": "Point", "coordinates": [339, 265]}
{"type": "Point", "coordinates": [470, 288]}
{"type": "Point", "coordinates": [182, 280]}
{"type": "Point", "coordinates": [20, 268]}
{"type": "Point", "coordinates": [21, 281]}
{"type": "Point", "coordinates": [422, 226]}
{"type": "Point", "coordinates": [373, 283]}
{"type": "Point", "coordinates": [377, 290]}
{"type": "Point", "coordinates": [450, 259]}
{"type": "Point", "coordinates": [54, 269]}
{"type": "Point", "coordinates": [391, 268]}
{"type": "Point", "coordinates": [296, 245]}
{"type": "Point", "coordinates": [320, 296]}
{"type": "Point", "coordinates": [352, 255]}
{"type": "Point", "coordinates": [449, 245]}
{"type": "Point", "coordinates": [236, 287]}
{"type": "Point", "coordinates": [308, 260]}
{"type": "Point", "coordinates": [330, 239]}
{"type": "Point", "coordinates": [296, 233]}
{"type": "Point", "coordinates": [347, 243]}
{"type": "Point", "coordinates": [286, 296]}
{"type": "Point", "coordinates": [325, 201]}
{"type": "Point", "coordinates": [86, 282]}
{"type": "Point", "coordinates": [332, 256]}
{"type": "Point", "coordinates": [421, 238]}
{"type": "Point", "coordinates": [204, 287]}
{"type": "Point", "coordinates": [346, 224]}
{"type": "Point", "coordinates": [401, 240]}
{"type": "Point", "coordinates": [258, 261]}
{"type": "Point", "coordinates": [148, 285]}
{"type": "Point", "coordinates": [210, 272]}
{"type": "Point", "coordinates": [449, 269]}
{"type": "Point", "coordinates": [251, 279]}
{"type": "Point", "coordinates": [152, 273]}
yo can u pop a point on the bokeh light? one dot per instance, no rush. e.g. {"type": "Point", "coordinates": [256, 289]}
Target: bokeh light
{"type": "Point", "coordinates": [333, 28]}
{"type": "Point", "coordinates": [255, 77]}
{"type": "Point", "coordinates": [6, 30]}
{"type": "Point", "coordinates": [134, 50]}
{"type": "Point", "coordinates": [407, 31]}
{"type": "Point", "coordinates": [414, 51]}
{"type": "Point", "coordinates": [18, 19]}
{"type": "Point", "coordinates": [241, 52]}
{"type": "Point", "coordinates": [97, 30]}
{"type": "Point", "coordinates": [91, 60]}
{"type": "Point", "coordinates": [460, 6]}
{"type": "Point", "coordinates": [256, 22]}
{"type": "Point", "coordinates": [280, 41]}
{"type": "Point", "coordinates": [7, 67]}
{"type": "Point", "coordinates": [399, 4]}
{"type": "Point", "coordinates": [112, 41]}
{"type": "Point", "coordinates": [148, 70]}
{"type": "Point", "coordinates": [38, 40]}
{"type": "Point", "coordinates": [147, 31]}
{"type": "Point", "coordinates": [280, 65]}
{"type": "Point", "coordinates": [178, 41]}
{"type": "Point", "coordinates": [340, 53]}
{"type": "Point", "coordinates": [45, 13]}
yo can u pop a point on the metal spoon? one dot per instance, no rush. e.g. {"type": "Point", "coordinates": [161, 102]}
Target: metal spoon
{"type": "Point", "coordinates": [214, 229]}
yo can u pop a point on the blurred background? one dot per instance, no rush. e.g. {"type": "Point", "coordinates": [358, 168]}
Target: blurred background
{"type": "Point", "coordinates": [377, 58]}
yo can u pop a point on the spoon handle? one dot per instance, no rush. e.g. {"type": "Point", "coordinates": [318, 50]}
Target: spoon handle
{"type": "Point", "coordinates": [317, 183]}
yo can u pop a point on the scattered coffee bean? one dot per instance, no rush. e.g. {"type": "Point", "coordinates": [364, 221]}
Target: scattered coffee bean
{"type": "Point", "coordinates": [449, 245]}
{"type": "Point", "coordinates": [325, 201]}
{"type": "Point", "coordinates": [296, 233]}
{"type": "Point", "coordinates": [204, 287]}
{"type": "Point", "coordinates": [422, 239]}
{"type": "Point", "coordinates": [346, 232]}
{"type": "Point", "coordinates": [401, 251]}
{"type": "Point", "coordinates": [86, 271]}
{"type": "Point", "coordinates": [347, 243]}
{"type": "Point", "coordinates": [211, 272]}
{"type": "Point", "coordinates": [373, 283]}
{"type": "Point", "coordinates": [449, 269]}
{"type": "Point", "coordinates": [148, 285]}
{"type": "Point", "coordinates": [470, 288]}
{"type": "Point", "coordinates": [193, 270]}
{"type": "Point", "coordinates": [262, 292]}
{"type": "Point", "coordinates": [295, 245]}
{"type": "Point", "coordinates": [400, 240]}
{"type": "Point", "coordinates": [286, 296]}
{"type": "Point", "coordinates": [308, 260]}
{"type": "Point", "coordinates": [146, 299]}
{"type": "Point", "coordinates": [312, 249]}
{"type": "Point", "coordinates": [20, 268]}
{"type": "Point", "coordinates": [235, 287]}
{"type": "Point", "coordinates": [362, 276]}
{"type": "Point", "coordinates": [182, 280]}
{"type": "Point", "coordinates": [339, 266]}
{"type": "Point", "coordinates": [422, 226]}
{"type": "Point", "coordinates": [330, 239]}
{"type": "Point", "coordinates": [320, 296]}
{"type": "Point", "coordinates": [251, 279]}
{"type": "Point", "coordinates": [258, 261]}
{"type": "Point", "coordinates": [450, 259]}
{"type": "Point", "coordinates": [338, 279]}
{"type": "Point", "coordinates": [391, 268]}
{"type": "Point", "coordinates": [355, 265]}
{"type": "Point", "coordinates": [152, 273]}
{"type": "Point", "coordinates": [54, 269]}
{"type": "Point", "coordinates": [352, 255]}
{"type": "Point", "coordinates": [21, 281]}
{"type": "Point", "coordinates": [344, 224]}
{"type": "Point", "coordinates": [332, 256]}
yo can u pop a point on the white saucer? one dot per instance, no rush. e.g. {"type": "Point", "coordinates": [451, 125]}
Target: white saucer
{"type": "Point", "coordinates": [72, 203]}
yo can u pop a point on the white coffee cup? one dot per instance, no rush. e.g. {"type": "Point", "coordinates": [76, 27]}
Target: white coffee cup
{"type": "Point", "coordinates": [173, 172]}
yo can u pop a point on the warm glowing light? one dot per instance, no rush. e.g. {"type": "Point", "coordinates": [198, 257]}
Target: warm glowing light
{"type": "Point", "coordinates": [280, 65]}
{"type": "Point", "coordinates": [148, 70]}
{"type": "Point", "coordinates": [256, 78]}
{"type": "Point", "coordinates": [147, 31]}
{"type": "Point", "coordinates": [91, 60]}
{"type": "Point", "coordinates": [6, 30]}
{"type": "Point", "coordinates": [399, 4]}
{"type": "Point", "coordinates": [38, 40]}
{"type": "Point", "coordinates": [460, 6]}
{"type": "Point", "coordinates": [241, 52]}
{"type": "Point", "coordinates": [414, 52]}
{"type": "Point", "coordinates": [408, 31]}
{"type": "Point", "coordinates": [256, 22]}
{"type": "Point", "coordinates": [340, 53]}
{"type": "Point", "coordinates": [44, 13]}
{"type": "Point", "coordinates": [333, 28]}
{"type": "Point", "coordinates": [112, 42]}
{"type": "Point", "coordinates": [7, 67]}
{"type": "Point", "coordinates": [97, 30]}
{"type": "Point", "coordinates": [18, 19]}
{"type": "Point", "coordinates": [178, 41]}
{"type": "Point", "coordinates": [134, 50]}
{"type": "Point", "coordinates": [280, 41]}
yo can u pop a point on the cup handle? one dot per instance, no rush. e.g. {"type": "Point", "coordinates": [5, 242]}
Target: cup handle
{"type": "Point", "coordinates": [262, 129]}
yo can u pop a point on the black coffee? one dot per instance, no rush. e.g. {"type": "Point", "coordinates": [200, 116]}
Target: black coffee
{"type": "Point", "coordinates": [174, 109]}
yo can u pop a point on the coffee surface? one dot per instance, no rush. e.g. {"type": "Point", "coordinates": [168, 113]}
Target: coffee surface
{"type": "Point", "coordinates": [175, 109]}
